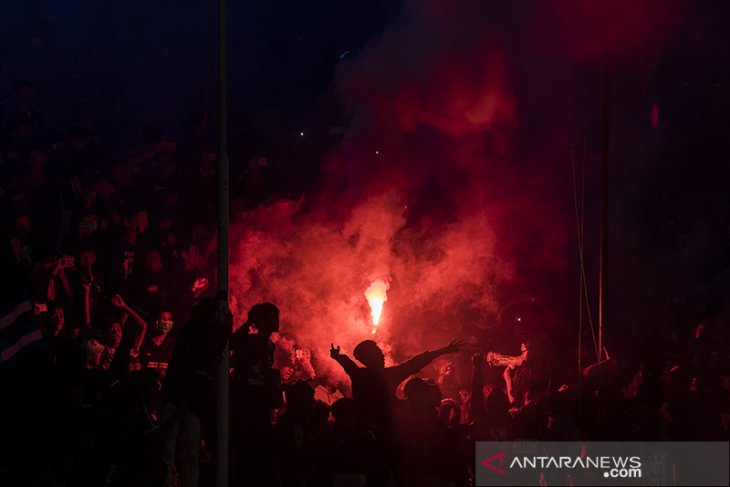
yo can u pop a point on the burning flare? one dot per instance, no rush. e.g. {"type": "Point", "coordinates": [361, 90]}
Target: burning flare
{"type": "Point", "coordinates": [376, 296]}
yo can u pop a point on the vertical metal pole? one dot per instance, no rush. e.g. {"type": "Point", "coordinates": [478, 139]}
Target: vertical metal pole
{"type": "Point", "coordinates": [603, 256]}
{"type": "Point", "coordinates": [223, 190]}
{"type": "Point", "coordinates": [580, 326]}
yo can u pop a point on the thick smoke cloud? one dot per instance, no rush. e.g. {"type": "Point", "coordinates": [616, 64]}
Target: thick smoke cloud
{"type": "Point", "coordinates": [446, 186]}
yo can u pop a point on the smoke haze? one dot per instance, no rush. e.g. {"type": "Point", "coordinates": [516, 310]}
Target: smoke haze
{"type": "Point", "coordinates": [453, 182]}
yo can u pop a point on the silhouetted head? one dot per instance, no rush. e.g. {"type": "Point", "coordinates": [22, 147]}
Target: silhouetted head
{"type": "Point", "coordinates": [265, 316]}
{"type": "Point", "coordinates": [414, 388]}
{"type": "Point", "coordinates": [464, 396]}
{"type": "Point", "coordinates": [449, 412]}
{"type": "Point", "coordinates": [344, 409]}
{"type": "Point", "coordinates": [299, 398]}
{"type": "Point", "coordinates": [87, 258]}
{"type": "Point", "coordinates": [370, 355]}
{"type": "Point", "coordinates": [421, 394]}
{"type": "Point", "coordinates": [203, 314]}
{"type": "Point", "coordinates": [153, 261]}
{"type": "Point", "coordinates": [531, 350]}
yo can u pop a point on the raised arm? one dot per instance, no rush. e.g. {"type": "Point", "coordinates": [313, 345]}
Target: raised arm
{"type": "Point", "coordinates": [59, 271]}
{"type": "Point", "coordinates": [414, 365]}
{"type": "Point", "coordinates": [141, 324]}
{"type": "Point", "coordinates": [342, 359]}
{"type": "Point", "coordinates": [87, 302]}
{"type": "Point", "coordinates": [507, 375]}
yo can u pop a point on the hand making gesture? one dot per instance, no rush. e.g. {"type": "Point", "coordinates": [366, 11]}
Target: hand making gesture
{"type": "Point", "coordinates": [453, 346]}
{"type": "Point", "coordinates": [119, 302]}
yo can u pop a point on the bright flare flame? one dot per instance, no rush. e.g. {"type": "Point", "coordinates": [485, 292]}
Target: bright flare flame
{"type": "Point", "coordinates": [376, 296]}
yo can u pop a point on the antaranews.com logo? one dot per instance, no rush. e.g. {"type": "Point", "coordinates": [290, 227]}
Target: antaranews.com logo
{"type": "Point", "coordinates": [601, 463]}
{"type": "Point", "coordinates": [613, 467]}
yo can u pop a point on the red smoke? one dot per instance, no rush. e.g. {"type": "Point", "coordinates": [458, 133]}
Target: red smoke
{"type": "Point", "coordinates": [436, 189]}
{"type": "Point", "coordinates": [438, 68]}
{"type": "Point", "coordinates": [625, 30]}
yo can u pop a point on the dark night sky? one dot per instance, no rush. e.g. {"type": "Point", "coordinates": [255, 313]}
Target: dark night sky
{"type": "Point", "coordinates": [155, 61]}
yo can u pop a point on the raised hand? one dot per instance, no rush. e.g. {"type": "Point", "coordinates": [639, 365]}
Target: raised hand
{"type": "Point", "coordinates": [66, 262]}
{"type": "Point", "coordinates": [334, 352]}
{"type": "Point", "coordinates": [453, 346]}
{"type": "Point", "coordinates": [477, 359]}
{"type": "Point", "coordinates": [200, 284]}
{"type": "Point", "coordinates": [118, 302]}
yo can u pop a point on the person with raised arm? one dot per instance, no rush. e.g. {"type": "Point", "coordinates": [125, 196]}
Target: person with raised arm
{"type": "Point", "coordinates": [374, 386]}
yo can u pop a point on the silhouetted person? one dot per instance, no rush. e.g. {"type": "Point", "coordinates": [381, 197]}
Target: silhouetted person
{"type": "Point", "coordinates": [189, 389]}
{"type": "Point", "coordinates": [527, 382]}
{"type": "Point", "coordinates": [374, 386]}
{"type": "Point", "coordinates": [158, 346]}
{"type": "Point", "coordinates": [353, 448]}
{"type": "Point", "coordinates": [492, 421]}
{"type": "Point", "coordinates": [298, 436]}
{"type": "Point", "coordinates": [701, 357]}
{"type": "Point", "coordinates": [450, 413]}
{"type": "Point", "coordinates": [426, 450]}
{"type": "Point", "coordinates": [255, 392]}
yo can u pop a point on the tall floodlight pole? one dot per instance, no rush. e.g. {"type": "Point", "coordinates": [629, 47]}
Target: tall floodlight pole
{"type": "Point", "coordinates": [603, 255]}
{"type": "Point", "coordinates": [223, 251]}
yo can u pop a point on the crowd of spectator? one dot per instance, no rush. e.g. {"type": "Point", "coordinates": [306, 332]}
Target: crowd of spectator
{"type": "Point", "coordinates": [116, 257]}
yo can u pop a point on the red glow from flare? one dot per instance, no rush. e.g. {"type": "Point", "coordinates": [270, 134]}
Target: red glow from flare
{"type": "Point", "coordinates": [376, 294]}
{"type": "Point", "coordinates": [445, 153]}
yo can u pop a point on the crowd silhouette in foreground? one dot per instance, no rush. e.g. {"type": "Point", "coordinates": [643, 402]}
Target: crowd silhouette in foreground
{"type": "Point", "coordinates": [111, 341]}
